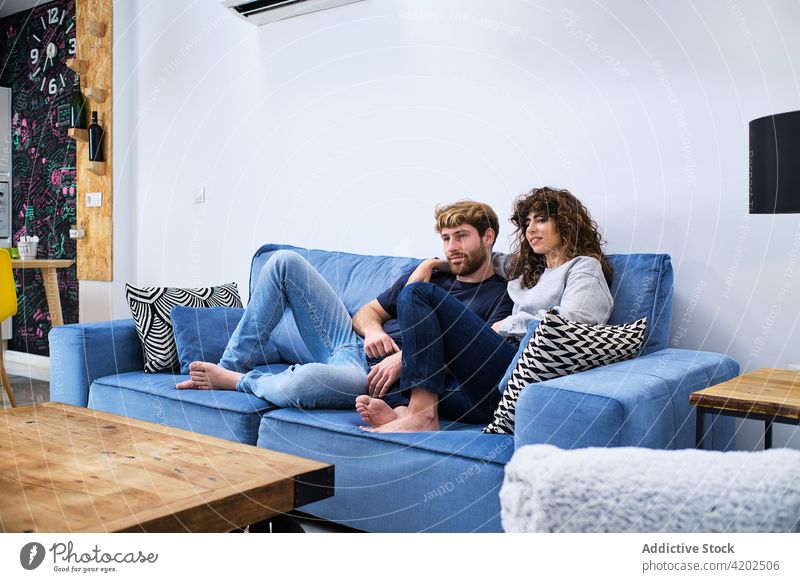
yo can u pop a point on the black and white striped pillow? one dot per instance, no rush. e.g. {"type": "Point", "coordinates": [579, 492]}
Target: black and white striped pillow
{"type": "Point", "coordinates": [560, 347]}
{"type": "Point", "coordinates": [151, 307]}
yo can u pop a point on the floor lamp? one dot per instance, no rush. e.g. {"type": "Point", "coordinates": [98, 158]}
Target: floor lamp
{"type": "Point", "coordinates": [775, 165]}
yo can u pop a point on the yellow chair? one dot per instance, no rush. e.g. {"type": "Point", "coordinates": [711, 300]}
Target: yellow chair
{"type": "Point", "coordinates": [8, 307]}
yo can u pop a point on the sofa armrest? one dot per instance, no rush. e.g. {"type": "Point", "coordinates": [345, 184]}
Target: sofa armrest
{"type": "Point", "coordinates": [82, 352]}
{"type": "Point", "coordinates": [642, 402]}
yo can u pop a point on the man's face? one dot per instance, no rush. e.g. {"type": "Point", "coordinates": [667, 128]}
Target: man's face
{"type": "Point", "coordinates": [464, 248]}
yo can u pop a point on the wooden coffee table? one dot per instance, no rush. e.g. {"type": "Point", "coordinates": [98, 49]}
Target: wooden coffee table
{"type": "Point", "coordinates": [70, 469]}
{"type": "Point", "coordinates": [768, 394]}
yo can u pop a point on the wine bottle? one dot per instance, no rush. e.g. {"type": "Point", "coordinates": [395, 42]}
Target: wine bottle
{"type": "Point", "coordinates": [95, 140]}
{"type": "Point", "coordinates": [77, 106]}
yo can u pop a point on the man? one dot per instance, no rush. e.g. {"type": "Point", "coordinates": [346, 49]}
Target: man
{"type": "Point", "coordinates": [345, 365]}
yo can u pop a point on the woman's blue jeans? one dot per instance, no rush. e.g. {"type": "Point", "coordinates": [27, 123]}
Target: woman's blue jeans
{"type": "Point", "coordinates": [339, 373]}
{"type": "Point", "coordinates": [440, 334]}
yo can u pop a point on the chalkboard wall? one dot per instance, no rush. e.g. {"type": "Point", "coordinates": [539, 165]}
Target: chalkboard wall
{"type": "Point", "coordinates": [34, 47]}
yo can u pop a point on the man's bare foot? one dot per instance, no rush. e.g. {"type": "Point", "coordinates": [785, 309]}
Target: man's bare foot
{"type": "Point", "coordinates": [207, 376]}
{"type": "Point", "coordinates": [409, 422]}
{"type": "Point", "coordinates": [375, 411]}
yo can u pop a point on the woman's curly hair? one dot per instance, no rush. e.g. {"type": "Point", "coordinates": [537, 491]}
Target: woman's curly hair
{"type": "Point", "coordinates": [579, 234]}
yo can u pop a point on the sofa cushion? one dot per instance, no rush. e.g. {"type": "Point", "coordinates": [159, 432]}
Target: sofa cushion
{"type": "Point", "coordinates": [642, 287]}
{"type": "Point", "coordinates": [226, 414]}
{"type": "Point", "coordinates": [560, 347]}
{"type": "Point", "coordinates": [151, 308]}
{"type": "Point", "coordinates": [357, 280]}
{"type": "Point", "coordinates": [442, 481]}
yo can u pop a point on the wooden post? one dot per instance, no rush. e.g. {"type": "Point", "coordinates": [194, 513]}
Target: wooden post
{"type": "Point", "coordinates": [94, 255]}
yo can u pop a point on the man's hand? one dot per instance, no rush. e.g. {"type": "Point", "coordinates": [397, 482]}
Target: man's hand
{"type": "Point", "coordinates": [368, 323]}
{"type": "Point", "coordinates": [424, 271]}
{"type": "Point", "coordinates": [384, 375]}
{"type": "Point", "coordinates": [378, 344]}
{"type": "Point", "coordinates": [498, 325]}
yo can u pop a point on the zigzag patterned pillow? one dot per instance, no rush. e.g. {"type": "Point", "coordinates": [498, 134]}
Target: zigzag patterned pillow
{"type": "Point", "coordinates": [151, 307]}
{"type": "Point", "coordinates": [560, 347]}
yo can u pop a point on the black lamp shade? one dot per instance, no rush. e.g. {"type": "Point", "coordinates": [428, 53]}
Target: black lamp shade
{"type": "Point", "coordinates": [775, 164]}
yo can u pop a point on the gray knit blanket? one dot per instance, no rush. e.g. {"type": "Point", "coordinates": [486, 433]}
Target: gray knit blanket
{"type": "Point", "coordinates": [547, 489]}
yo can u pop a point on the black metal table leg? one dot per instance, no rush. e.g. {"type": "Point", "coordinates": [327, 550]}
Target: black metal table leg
{"type": "Point", "coordinates": [768, 433]}
{"type": "Point", "coordinates": [698, 431]}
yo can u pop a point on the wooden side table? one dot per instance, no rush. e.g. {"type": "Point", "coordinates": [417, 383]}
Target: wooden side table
{"type": "Point", "coordinates": [50, 276]}
{"type": "Point", "coordinates": [768, 394]}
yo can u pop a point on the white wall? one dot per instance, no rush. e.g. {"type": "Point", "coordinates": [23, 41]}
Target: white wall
{"type": "Point", "coordinates": [341, 130]}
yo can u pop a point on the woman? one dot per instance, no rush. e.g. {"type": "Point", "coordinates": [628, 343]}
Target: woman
{"type": "Point", "coordinates": [557, 263]}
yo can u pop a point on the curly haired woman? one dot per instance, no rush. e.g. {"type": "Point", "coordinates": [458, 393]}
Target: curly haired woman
{"type": "Point", "coordinates": [557, 263]}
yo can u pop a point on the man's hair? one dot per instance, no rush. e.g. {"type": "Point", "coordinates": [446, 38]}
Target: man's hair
{"type": "Point", "coordinates": [476, 214]}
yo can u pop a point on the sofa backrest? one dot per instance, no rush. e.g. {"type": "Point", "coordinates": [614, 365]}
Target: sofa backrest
{"type": "Point", "coordinates": [641, 286]}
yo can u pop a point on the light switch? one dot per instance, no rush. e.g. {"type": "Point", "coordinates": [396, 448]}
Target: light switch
{"type": "Point", "coordinates": [94, 199]}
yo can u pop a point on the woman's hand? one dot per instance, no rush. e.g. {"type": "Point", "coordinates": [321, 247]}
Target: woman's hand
{"type": "Point", "coordinates": [424, 271]}
{"type": "Point", "coordinates": [384, 375]}
{"type": "Point", "coordinates": [498, 326]}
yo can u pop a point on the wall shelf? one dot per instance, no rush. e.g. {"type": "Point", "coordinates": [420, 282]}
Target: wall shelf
{"type": "Point", "coordinates": [95, 94]}
{"type": "Point", "coordinates": [96, 28]}
{"type": "Point", "coordinates": [80, 66]}
{"type": "Point", "coordinates": [98, 168]}
{"type": "Point", "coordinates": [78, 134]}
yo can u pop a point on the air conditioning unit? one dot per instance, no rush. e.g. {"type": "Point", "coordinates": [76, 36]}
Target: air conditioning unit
{"type": "Point", "coordinates": [266, 11]}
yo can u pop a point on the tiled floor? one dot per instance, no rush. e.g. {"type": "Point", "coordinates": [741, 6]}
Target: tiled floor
{"type": "Point", "coordinates": [28, 391]}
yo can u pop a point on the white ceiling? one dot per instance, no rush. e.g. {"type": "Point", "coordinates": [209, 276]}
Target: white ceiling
{"type": "Point", "coordinates": [13, 6]}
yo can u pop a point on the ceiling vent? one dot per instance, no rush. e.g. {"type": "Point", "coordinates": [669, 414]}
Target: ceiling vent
{"type": "Point", "coordinates": [266, 11]}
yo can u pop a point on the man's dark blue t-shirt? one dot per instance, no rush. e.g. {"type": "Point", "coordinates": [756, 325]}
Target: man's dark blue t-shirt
{"type": "Point", "coordinates": [487, 299]}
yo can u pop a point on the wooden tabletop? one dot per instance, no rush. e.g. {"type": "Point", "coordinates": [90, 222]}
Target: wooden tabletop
{"type": "Point", "coordinates": [41, 263]}
{"type": "Point", "coordinates": [768, 391]}
{"type": "Point", "coordinates": [70, 469]}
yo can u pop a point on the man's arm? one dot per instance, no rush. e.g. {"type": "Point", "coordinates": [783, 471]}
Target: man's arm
{"type": "Point", "coordinates": [368, 323]}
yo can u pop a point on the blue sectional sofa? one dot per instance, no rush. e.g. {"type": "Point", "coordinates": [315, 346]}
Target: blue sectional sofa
{"type": "Point", "coordinates": [446, 481]}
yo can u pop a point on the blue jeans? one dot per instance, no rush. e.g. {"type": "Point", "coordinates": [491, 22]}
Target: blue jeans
{"type": "Point", "coordinates": [441, 334]}
{"type": "Point", "coordinates": [339, 374]}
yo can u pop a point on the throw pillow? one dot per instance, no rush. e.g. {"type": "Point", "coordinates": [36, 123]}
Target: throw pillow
{"type": "Point", "coordinates": [151, 307]}
{"type": "Point", "coordinates": [202, 333]}
{"type": "Point", "coordinates": [560, 347]}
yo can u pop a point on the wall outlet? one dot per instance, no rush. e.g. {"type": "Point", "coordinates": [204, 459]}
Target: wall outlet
{"type": "Point", "coordinates": [94, 199]}
{"type": "Point", "coordinates": [200, 196]}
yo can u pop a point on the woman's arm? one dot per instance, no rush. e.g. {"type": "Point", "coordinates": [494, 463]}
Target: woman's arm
{"type": "Point", "coordinates": [502, 264]}
{"type": "Point", "coordinates": [500, 261]}
{"type": "Point", "coordinates": [424, 271]}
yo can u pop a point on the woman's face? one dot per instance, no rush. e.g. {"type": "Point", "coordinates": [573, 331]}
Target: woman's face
{"type": "Point", "coordinates": [543, 235]}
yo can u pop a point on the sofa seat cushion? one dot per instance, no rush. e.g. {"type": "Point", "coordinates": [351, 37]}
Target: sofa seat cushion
{"type": "Point", "coordinates": [226, 414]}
{"type": "Point", "coordinates": [443, 481]}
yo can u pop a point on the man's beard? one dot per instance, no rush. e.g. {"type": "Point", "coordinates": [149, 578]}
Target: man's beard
{"type": "Point", "coordinates": [470, 262]}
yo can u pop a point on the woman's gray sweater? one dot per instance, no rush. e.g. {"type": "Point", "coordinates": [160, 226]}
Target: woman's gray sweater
{"type": "Point", "coordinates": [577, 289]}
